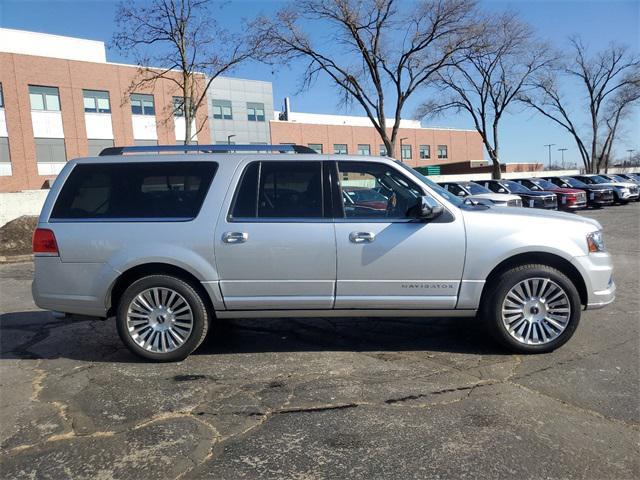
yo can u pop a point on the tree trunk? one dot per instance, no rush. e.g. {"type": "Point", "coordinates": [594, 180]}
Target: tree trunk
{"type": "Point", "coordinates": [496, 173]}
{"type": "Point", "coordinates": [389, 146]}
{"type": "Point", "coordinates": [187, 108]}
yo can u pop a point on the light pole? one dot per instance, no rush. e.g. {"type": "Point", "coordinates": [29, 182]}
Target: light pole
{"type": "Point", "coordinates": [562, 150]}
{"type": "Point", "coordinates": [549, 145]}
{"type": "Point", "coordinates": [403, 138]}
{"type": "Point", "coordinates": [630, 151]}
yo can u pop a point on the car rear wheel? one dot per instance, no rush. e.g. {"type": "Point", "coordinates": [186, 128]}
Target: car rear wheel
{"type": "Point", "coordinates": [533, 309]}
{"type": "Point", "coordinates": [162, 318]}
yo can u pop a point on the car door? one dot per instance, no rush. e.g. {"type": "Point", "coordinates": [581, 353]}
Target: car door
{"type": "Point", "coordinates": [387, 259]}
{"type": "Point", "coordinates": [275, 244]}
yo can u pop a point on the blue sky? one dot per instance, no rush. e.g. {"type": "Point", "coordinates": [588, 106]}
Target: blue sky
{"type": "Point", "coordinates": [523, 133]}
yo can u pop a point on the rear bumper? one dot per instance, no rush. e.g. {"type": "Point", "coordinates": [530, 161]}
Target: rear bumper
{"type": "Point", "coordinates": [77, 288]}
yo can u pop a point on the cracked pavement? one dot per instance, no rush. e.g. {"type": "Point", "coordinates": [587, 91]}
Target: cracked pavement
{"type": "Point", "coordinates": [319, 398]}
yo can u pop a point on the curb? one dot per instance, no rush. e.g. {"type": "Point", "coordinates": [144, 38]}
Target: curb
{"type": "Point", "coordinates": [15, 258]}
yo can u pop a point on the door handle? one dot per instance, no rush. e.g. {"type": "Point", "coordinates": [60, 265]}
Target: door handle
{"type": "Point", "coordinates": [235, 237]}
{"type": "Point", "coordinates": [362, 237]}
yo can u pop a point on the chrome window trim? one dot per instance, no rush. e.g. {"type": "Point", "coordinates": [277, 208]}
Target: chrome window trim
{"type": "Point", "coordinates": [123, 220]}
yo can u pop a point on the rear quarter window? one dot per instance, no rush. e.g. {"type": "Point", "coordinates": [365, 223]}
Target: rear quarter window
{"type": "Point", "coordinates": [149, 190]}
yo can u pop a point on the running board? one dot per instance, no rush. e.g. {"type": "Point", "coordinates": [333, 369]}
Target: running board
{"type": "Point", "coordinates": [343, 313]}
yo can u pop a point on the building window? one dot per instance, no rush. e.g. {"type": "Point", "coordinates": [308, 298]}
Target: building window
{"type": "Point", "coordinates": [44, 98]}
{"type": "Point", "coordinates": [255, 112]}
{"type": "Point", "coordinates": [145, 143]}
{"type": "Point", "coordinates": [316, 146]}
{"type": "Point", "coordinates": [364, 149]}
{"type": "Point", "coordinates": [383, 151]}
{"type": "Point", "coordinates": [50, 150]}
{"type": "Point", "coordinates": [96, 101]}
{"type": "Point", "coordinates": [221, 109]}
{"type": "Point", "coordinates": [405, 152]}
{"type": "Point", "coordinates": [4, 150]}
{"type": "Point", "coordinates": [425, 152]}
{"type": "Point", "coordinates": [1, 97]}
{"type": "Point", "coordinates": [142, 104]}
{"type": "Point", "coordinates": [178, 106]}
{"type": "Point", "coordinates": [442, 151]}
{"type": "Point", "coordinates": [340, 149]}
{"type": "Point", "coordinates": [96, 146]}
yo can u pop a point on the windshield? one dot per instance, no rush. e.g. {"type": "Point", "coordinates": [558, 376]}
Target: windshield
{"type": "Point", "coordinates": [545, 184]}
{"type": "Point", "coordinates": [475, 189]}
{"type": "Point", "coordinates": [574, 182]}
{"type": "Point", "coordinates": [515, 187]}
{"type": "Point", "coordinates": [597, 179]}
{"type": "Point", "coordinates": [457, 201]}
{"type": "Point", "coordinates": [618, 178]}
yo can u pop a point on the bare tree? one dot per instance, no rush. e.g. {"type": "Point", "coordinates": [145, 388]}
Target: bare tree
{"type": "Point", "coordinates": [618, 110]}
{"type": "Point", "coordinates": [376, 52]}
{"type": "Point", "coordinates": [611, 83]}
{"type": "Point", "coordinates": [490, 78]}
{"type": "Point", "coordinates": [182, 39]}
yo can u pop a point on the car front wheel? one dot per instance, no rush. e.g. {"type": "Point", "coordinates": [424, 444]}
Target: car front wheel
{"type": "Point", "coordinates": [533, 309]}
{"type": "Point", "coordinates": [162, 318]}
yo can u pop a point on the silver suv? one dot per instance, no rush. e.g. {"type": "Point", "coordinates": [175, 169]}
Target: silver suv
{"type": "Point", "coordinates": [169, 242]}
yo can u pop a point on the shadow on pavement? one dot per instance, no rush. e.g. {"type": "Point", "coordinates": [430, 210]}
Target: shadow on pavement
{"type": "Point", "coordinates": [37, 334]}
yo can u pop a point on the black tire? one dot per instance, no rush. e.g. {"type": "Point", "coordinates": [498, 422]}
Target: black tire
{"type": "Point", "coordinates": [190, 294]}
{"type": "Point", "coordinates": [491, 308]}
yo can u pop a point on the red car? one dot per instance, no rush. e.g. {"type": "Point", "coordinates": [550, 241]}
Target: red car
{"type": "Point", "coordinates": [365, 197]}
{"type": "Point", "coordinates": [569, 199]}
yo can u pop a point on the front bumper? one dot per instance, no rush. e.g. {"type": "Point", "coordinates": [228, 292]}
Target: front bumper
{"type": "Point", "coordinates": [600, 198]}
{"type": "Point", "coordinates": [597, 272]}
{"type": "Point", "coordinates": [573, 206]}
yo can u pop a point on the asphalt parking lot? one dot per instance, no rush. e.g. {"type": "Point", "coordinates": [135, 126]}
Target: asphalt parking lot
{"type": "Point", "coordinates": [324, 398]}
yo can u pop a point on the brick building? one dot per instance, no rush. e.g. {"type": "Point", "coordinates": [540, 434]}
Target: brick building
{"type": "Point", "coordinates": [61, 99]}
{"type": "Point", "coordinates": [416, 145]}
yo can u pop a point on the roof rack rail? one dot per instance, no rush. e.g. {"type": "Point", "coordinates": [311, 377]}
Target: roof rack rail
{"type": "Point", "coordinates": [206, 149]}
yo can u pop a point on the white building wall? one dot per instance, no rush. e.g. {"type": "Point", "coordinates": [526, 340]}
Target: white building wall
{"type": "Point", "coordinates": [350, 120]}
{"type": "Point", "coordinates": [46, 45]}
{"type": "Point", "coordinates": [47, 124]}
{"type": "Point", "coordinates": [98, 126]}
{"type": "Point", "coordinates": [144, 127]}
{"type": "Point", "coordinates": [180, 126]}
{"type": "Point", "coordinates": [3, 124]}
{"type": "Point", "coordinates": [50, 168]}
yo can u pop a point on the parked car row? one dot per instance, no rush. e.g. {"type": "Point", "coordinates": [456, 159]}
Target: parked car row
{"type": "Point", "coordinates": [567, 193]}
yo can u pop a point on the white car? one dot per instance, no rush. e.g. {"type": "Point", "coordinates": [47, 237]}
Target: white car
{"type": "Point", "coordinates": [476, 193]}
{"type": "Point", "coordinates": [623, 192]}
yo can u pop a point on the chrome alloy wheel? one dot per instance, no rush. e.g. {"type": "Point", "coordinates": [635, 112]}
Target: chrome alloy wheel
{"type": "Point", "coordinates": [159, 320]}
{"type": "Point", "coordinates": [536, 311]}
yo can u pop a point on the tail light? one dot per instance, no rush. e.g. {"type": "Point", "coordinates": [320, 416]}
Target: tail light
{"type": "Point", "coordinates": [44, 241]}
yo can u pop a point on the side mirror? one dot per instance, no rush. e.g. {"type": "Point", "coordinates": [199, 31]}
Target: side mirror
{"type": "Point", "coordinates": [461, 194]}
{"type": "Point", "coordinates": [427, 208]}
{"type": "Point", "coordinates": [502, 190]}
{"type": "Point", "coordinates": [535, 187]}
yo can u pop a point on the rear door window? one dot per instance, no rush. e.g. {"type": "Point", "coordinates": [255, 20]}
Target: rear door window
{"type": "Point", "coordinates": [283, 190]}
{"type": "Point", "coordinates": [149, 190]}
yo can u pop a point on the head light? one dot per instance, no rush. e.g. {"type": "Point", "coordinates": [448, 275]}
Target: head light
{"type": "Point", "coordinates": [595, 242]}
